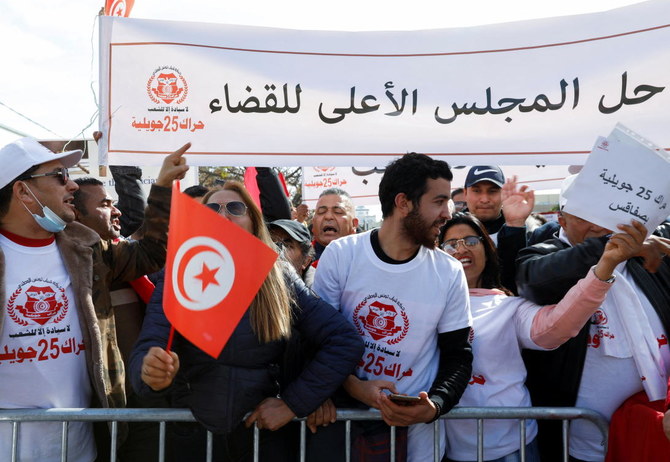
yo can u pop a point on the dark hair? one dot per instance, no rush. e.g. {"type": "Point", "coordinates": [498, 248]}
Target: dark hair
{"type": "Point", "coordinates": [80, 195]}
{"type": "Point", "coordinates": [408, 175]}
{"type": "Point", "coordinates": [6, 191]}
{"type": "Point", "coordinates": [307, 249]}
{"type": "Point", "coordinates": [196, 191]}
{"type": "Point", "coordinates": [457, 191]}
{"type": "Point", "coordinates": [338, 191]}
{"type": "Point", "coordinates": [346, 198]}
{"type": "Point", "coordinates": [490, 277]}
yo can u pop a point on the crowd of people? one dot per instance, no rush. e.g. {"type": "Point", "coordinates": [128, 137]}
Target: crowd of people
{"type": "Point", "coordinates": [459, 298]}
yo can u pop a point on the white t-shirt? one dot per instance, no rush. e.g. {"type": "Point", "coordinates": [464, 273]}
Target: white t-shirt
{"type": "Point", "coordinates": [398, 309]}
{"type": "Point", "coordinates": [608, 381]}
{"type": "Point", "coordinates": [42, 353]}
{"type": "Point", "coordinates": [501, 327]}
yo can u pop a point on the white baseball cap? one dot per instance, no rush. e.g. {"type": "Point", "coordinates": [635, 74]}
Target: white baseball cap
{"type": "Point", "coordinates": [19, 156]}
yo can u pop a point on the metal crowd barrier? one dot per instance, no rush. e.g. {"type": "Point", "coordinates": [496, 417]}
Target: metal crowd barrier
{"type": "Point", "coordinates": [162, 416]}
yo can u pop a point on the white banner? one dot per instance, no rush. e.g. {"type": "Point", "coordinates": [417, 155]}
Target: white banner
{"type": "Point", "coordinates": [362, 183]}
{"type": "Point", "coordinates": [532, 92]}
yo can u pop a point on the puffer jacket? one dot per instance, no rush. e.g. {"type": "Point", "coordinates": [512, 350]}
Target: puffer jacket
{"type": "Point", "coordinates": [221, 391]}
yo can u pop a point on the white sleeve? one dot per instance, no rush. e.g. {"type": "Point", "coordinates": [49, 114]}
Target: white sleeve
{"type": "Point", "coordinates": [456, 314]}
{"type": "Point", "coordinates": [327, 284]}
{"type": "Point", "coordinates": [525, 312]}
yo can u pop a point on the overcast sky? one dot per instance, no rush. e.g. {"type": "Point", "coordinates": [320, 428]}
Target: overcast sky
{"type": "Point", "coordinates": [49, 47]}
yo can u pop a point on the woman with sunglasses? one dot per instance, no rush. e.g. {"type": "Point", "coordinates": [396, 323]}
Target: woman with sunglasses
{"type": "Point", "coordinates": [243, 380]}
{"type": "Point", "coordinates": [503, 325]}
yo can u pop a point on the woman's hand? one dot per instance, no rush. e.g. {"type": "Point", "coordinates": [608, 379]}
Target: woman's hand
{"type": "Point", "coordinates": [621, 247]}
{"type": "Point", "coordinates": [325, 415]}
{"type": "Point", "coordinates": [159, 368]}
{"type": "Point", "coordinates": [271, 414]}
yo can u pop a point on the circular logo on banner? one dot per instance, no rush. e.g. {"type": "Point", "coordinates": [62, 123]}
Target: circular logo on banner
{"type": "Point", "coordinates": [166, 85]}
{"type": "Point", "coordinates": [203, 273]}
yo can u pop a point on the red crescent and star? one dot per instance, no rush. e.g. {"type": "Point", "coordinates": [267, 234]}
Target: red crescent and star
{"type": "Point", "coordinates": [206, 276]}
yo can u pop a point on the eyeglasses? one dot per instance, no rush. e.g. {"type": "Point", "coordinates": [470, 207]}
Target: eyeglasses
{"type": "Point", "coordinates": [450, 245]}
{"type": "Point", "coordinates": [459, 205]}
{"type": "Point", "coordinates": [234, 208]}
{"type": "Point", "coordinates": [61, 172]}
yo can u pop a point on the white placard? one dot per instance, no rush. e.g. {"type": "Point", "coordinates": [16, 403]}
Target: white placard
{"type": "Point", "coordinates": [626, 177]}
{"type": "Point", "coordinates": [532, 92]}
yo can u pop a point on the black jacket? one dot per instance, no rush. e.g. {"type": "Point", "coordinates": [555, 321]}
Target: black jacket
{"type": "Point", "coordinates": [221, 391]}
{"type": "Point", "coordinates": [546, 272]}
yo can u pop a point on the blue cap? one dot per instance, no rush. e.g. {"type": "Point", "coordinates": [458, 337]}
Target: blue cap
{"type": "Point", "coordinates": [491, 173]}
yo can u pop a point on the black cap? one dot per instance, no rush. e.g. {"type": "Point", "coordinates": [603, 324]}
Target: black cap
{"type": "Point", "coordinates": [297, 231]}
{"type": "Point", "coordinates": [491, 173]}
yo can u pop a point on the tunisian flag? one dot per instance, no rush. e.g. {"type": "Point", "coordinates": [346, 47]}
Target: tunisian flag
{"type": "Point", "coordinates": [213, 271]}
{"type": "Point", "coordinates": [118, 7]}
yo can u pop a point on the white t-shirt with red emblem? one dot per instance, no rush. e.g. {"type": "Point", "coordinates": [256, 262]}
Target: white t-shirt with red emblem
{"type": "Point", "coordinates": [398, 309]}
{"type": "Point", "coordinates": [608, 381]}
{"type": "Point", "coordinates": [42, 351]}
{"type": "Point", "coordinates": [501, 327]}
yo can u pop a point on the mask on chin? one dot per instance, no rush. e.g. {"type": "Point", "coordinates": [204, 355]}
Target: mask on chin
{"type": "Point", "coordinates": [50, 221]}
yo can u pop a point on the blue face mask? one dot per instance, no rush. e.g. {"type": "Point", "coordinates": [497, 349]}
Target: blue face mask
{"type": "Point", "coordinates": [50, 221]}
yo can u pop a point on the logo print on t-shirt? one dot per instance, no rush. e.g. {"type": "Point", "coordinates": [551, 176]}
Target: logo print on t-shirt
{"type": "Point", "coordinates": [382, 321]}
{"type": "Point", "coordinates": [599, 318]}
{"type": "Point", "coordinates": [39, 301]}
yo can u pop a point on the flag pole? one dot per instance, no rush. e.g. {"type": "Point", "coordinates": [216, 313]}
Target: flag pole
{"type": "Point", "coordinates": [170, 338]}
{"type": "Point", "coordinates": [175, 184]}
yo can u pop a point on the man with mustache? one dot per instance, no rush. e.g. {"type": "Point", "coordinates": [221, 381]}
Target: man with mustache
{"type": "Point", "coordinates": [57, 325]}
{"type": "Point", "coordinates": [334, 217]}
{"type": "Point", "coordinates": [95, 208]}
{"type": "Point", "coordinates": [416, 339]}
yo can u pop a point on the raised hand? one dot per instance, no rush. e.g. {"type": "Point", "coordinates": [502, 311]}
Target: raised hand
{"type": "Point", "coordinates": [174, 167]}
{"type": "Point", "coordinates": [620, 247]}
{"type": "Point", "coordinates": [517, 203]}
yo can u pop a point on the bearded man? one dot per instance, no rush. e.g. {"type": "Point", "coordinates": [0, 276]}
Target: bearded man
{"type": "Point", "coordinates": [409, 301]}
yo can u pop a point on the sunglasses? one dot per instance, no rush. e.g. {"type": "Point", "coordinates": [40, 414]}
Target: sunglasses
{"type": "Point", "coordinates": [451, 245]}
{"type": "Point", "coordinates": [234, 208]}
{"type": "Point", "coordinates": [61, 172]}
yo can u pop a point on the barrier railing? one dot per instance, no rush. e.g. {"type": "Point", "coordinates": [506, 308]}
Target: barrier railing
{"type": "Point", "coordinates": [162, 416]}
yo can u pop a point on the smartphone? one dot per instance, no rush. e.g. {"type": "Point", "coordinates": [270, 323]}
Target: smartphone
{"type": "Point", "coordinates": [404, 400]}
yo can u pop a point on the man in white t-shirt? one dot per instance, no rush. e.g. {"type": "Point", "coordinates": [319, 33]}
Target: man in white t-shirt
{"type": "Point", "coordinates": [58, 344]}
{"type": "Point", "coordinates": [408, 300]}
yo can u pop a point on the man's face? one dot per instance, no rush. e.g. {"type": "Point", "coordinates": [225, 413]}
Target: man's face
{"type": "Point", "coordinates": [52, 193]}
{"type": "Point", "coordinates": [577, 230]}
{"type": "Point", "coordinates": [422, 224]}
{"type": "Point", "coordinates": [484, 200]}
{"type": "Point", "coordinates": [291, 249]}
{"type": "Point", "coordinates": [99, 212]}
{"type": "Point", "coordinates": [332, 219]}
{"type": "Point", "coordinates": [459, 201]}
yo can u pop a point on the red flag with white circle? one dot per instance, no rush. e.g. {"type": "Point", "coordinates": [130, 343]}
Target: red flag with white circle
{"type": "Point", "coordinates": [213, 271]}
{"type": "Point", "coordinates": [118, 7]}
